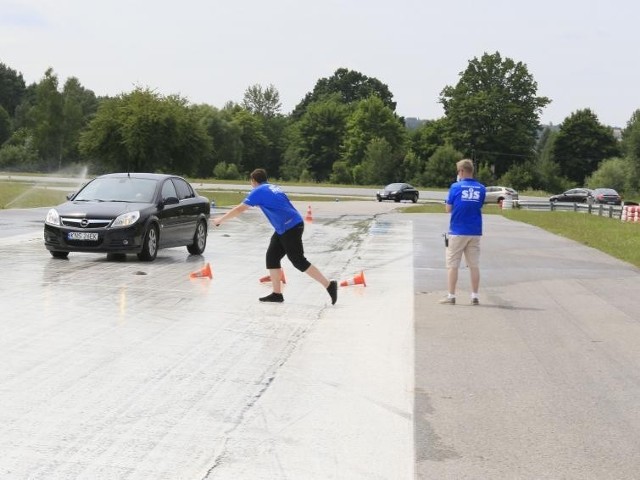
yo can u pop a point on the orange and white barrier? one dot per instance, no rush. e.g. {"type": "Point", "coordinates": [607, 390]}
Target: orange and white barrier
{"type": "Point", "coordinates": [630, 213]}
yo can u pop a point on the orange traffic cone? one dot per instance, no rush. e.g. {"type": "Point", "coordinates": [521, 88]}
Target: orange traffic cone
{"type": "Point", "coordinates": [309, 217]}
{"type": "Point", "coordinates": [267, 278]}
{"type": "Point", "coordinates": [356, 280]}
{"type": "Point", "coordinates": [203, 272]}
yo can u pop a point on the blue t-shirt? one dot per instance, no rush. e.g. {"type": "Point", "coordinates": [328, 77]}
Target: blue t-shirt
{"type": "Point", "coordinates": [276, 206]}
{"type": "Point", "coordinates": [466, 198]}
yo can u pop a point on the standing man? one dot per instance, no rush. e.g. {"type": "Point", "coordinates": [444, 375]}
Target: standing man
{"type": "Point", "coordinates": [464, 202]}
{"type": "Point", "coordinates": [287, 238]}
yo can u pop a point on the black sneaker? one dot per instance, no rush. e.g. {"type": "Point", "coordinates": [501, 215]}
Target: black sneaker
{"type": "Point", "coordinates": [333, 291]}
{"type": "Point", "coordinates": [273, 297]}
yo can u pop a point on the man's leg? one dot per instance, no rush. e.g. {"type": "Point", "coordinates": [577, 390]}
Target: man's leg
{"type": "Point", "coordinates": [452, 280]}
{"type": "Point", "coordinates": [475, 279]}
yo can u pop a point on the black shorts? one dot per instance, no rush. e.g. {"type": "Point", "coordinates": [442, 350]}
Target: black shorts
{"type": "Point", "coordinates": [290, 244]}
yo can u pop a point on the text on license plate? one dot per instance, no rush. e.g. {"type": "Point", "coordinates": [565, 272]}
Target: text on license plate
{"type": "Point", "coordinates": [82, 236]}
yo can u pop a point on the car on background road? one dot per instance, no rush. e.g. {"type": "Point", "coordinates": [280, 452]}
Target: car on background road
{"type": "Point", "coordinates": [398, 192]}
{"type": "Point", "coordinates": [574, 195]}
{"type": "Point", "coordinates": [496, 194]}
{"type": "Point", "coordinates": [129, 213]}
{"type": "Point", "coordinates": [607, 196]}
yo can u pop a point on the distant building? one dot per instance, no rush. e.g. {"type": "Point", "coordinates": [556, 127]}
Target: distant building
{"type": "Point", "coordinates": [412, 122]}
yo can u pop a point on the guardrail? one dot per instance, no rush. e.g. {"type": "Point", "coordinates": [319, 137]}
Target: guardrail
{"type": "Point", "coordinates": [611, 211]}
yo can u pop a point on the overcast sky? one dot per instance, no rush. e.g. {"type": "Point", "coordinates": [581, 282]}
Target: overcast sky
{"type": "Point", "coordinates": [582, 54]}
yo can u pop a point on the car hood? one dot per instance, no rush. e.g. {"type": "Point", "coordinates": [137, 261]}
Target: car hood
{"type": "Point", "coordinates": [98, 209]}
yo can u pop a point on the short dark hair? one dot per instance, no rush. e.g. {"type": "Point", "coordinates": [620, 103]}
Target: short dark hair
{"type": "Point", "coordinates": [259, 175]}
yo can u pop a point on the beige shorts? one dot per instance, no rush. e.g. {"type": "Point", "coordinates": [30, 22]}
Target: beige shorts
{"type": "Point", "coordinates": [467, 244]}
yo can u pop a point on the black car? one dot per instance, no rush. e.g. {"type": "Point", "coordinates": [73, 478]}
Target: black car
{"type": "Point", "coordinates": [574, 195]}
{"type": "Point", "coordinates": [129, 213]}
{"type": "Point", "coordinates": [397, 192]}
{"type": "Point", "coordinates": [607, 196]}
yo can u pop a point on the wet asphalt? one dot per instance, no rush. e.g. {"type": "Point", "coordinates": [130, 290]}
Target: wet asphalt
{"type": "Point", "coordinates": [114, 368]}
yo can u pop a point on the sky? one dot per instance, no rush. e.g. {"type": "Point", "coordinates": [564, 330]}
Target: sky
{"type": "Point", "coordinates": [582, 53]}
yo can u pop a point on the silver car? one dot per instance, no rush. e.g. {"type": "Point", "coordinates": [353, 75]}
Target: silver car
{"type": "Point", "coordinates": [498, 194]}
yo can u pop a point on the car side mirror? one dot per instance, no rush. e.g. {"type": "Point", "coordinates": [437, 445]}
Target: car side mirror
{"type": "Point", "coordinates": [170, 201]}
{"type": "Point", "coordinates": [71, 195]}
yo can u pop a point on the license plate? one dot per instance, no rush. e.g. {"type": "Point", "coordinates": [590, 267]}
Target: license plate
{"type": "Point", "coordinates": [82, 236]}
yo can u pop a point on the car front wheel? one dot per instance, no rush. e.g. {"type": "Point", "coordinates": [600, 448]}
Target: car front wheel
{"type": "Point", "coordinates": [199, 239]}
{"type": "Point", "coordinates": [150, 245]}
{"type": "Point", "coordinates": [415, 198]}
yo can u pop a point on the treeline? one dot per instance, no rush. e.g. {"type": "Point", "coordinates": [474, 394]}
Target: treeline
{"type": "Point", "coordinates": [346, 130]}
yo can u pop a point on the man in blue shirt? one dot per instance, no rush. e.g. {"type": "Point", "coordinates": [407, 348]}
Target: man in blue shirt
{"type": "Point", "coordinates": [464, 201]}
{"type": "Point", "coordinates": [287, 238]}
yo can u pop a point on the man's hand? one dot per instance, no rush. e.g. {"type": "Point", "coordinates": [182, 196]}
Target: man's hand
{"type": "Point", "coordinates": [217, 221]}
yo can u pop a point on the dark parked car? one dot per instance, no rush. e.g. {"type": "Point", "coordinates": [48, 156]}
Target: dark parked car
{"type": "Point", "coordinates": [129, 213]}
{"type": "Point", "coordinates": [575, 195]}
{"type": "Point", "coordinates": [397, 192]}
{"type": "Point", "coordinates": [607, 196]}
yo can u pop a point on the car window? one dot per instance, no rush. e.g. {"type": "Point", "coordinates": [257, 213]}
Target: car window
{"type": "Point", "coordinates": [183, 188]}
{"type": "Point", "coordinates": [394, 186]}
{"type": "Point", "coordinates": [118, 189]}
{"type": "Point", "coordinates": [168, 190]}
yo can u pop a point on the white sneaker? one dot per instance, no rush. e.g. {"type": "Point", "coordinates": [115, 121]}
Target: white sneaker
{"type": "Point", "coordinates": [448, 301]}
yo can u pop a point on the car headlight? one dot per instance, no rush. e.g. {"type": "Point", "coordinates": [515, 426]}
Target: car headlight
{"type": "Point", "coordinates": [52, 218]}
{"type": "Point", "coordinates": [126, 219]}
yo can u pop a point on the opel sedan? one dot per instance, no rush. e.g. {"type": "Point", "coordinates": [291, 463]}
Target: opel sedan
{"type": "Point", "coordinates": [129, 213]}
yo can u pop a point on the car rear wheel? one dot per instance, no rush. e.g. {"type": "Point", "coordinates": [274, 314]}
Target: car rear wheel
{"type": "Point", "coordinates": [56, 254]}
{"type": "Point", "coordinates": [150, 245]}
{"type": "Point", "coordinates": [199, 239]}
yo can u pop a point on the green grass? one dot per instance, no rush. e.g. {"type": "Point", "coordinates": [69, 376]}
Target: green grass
{"type": "Point", "coordinates": [25, 195]}
{"type": "Point", "coordinates": [609, 235]}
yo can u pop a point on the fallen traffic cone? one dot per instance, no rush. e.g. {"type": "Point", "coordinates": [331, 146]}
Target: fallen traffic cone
{"type": "Point", "coordinates": [309, 217]}
{"type": "Point", "coordinates": [203, 272]}
{"type": "Point", "coordinates": [267, 278]}
{"type": "Point", "coordinates": [356, 280]}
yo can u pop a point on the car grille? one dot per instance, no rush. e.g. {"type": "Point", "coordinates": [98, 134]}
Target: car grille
{"type": "Point", "coordinates": [85, 222]}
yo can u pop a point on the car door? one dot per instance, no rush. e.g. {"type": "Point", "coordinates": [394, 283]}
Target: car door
{"type": "Point", "coordinates": [169, 215]}
{"type": "Point", "coordinates": [188, 211]}
{"type": "Point", "coordinates": [570, 195]}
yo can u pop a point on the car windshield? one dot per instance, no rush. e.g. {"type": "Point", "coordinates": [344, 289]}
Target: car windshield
{"type": "Point", "coordinates": [394, 186]}
{"type": "Point", "coordinates": [118, 189]}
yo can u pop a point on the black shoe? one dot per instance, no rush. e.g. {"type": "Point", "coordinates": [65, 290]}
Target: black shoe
{"type": "Point", "coordinates": [273, 297]}
{"type": "Point", "coordinates": [333, 291]}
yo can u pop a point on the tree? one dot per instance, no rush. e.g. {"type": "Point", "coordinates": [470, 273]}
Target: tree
{"type": "Point", "coordinates": [265, 102]}
{"type": "Point", "coordinates": [319, 137]}
{"type": "Point", "coordinates": [224, 135]}
{"type": "Point", "coordinates": [12, 89]}
{"type": "Point", "coordinates": [5, 125]}
{"type": "Point", "coordinates": [612, 173]}
{"type": "Point", "coordinates": [377, 165]}
{"type": "Point", "coordinates": [350, 86]}
{"type": "Point", "coordinates": [581, 144]}
{"type": "Point", "coordinates": [46, 119]}
{"type": "Point", "coordinates": [79, 104]}
{"type": "Point", "coordinates": [144, 131]}
{"type": "Point", "coordinates": [441, 166]}
{"type": "Point", "coordinates": [254, 141]}
{"type": "Point", "coordinates": [425, 139]}
{"type": "Point", "coordinates": [493, 111]}
{"type": "Point", "coordinates": [372, 119]}
{"type": "Point", "coordinates": [547, 172]}
{"type": "Point", "coordinates": [631, 149]}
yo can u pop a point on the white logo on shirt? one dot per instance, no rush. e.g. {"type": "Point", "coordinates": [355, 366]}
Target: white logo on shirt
{"type": "Point", "coordinates": [470, 194]}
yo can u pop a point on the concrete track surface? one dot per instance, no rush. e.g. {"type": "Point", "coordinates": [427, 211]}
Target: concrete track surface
{"type": "Point", "coordinates": [118, 369]}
